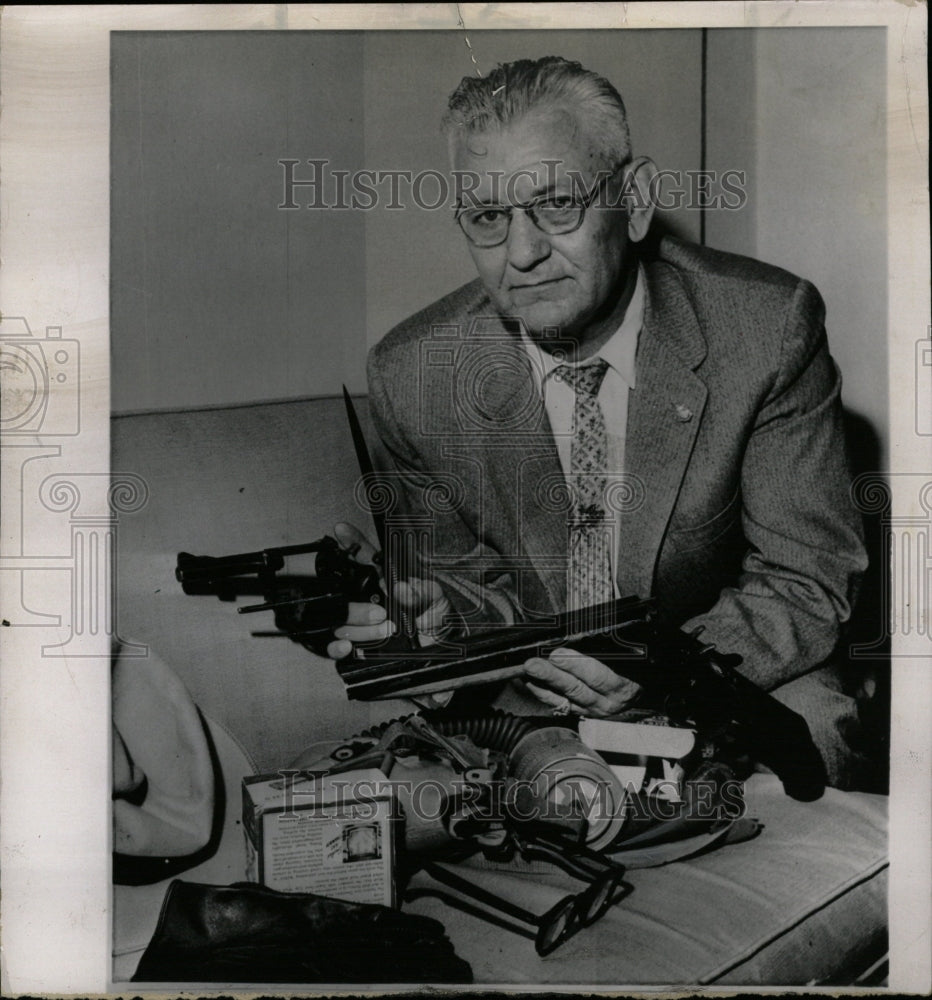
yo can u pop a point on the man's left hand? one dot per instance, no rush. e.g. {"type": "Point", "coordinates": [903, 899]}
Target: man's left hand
{"type": "Point", "coordinates": [590, 687]}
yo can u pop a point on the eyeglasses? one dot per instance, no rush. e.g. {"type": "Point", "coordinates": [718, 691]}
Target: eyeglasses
{"type": "Point", "coordinates": [551, 929]}
{"type": "Point", "coordinates": [604, 878]}
{"type": "Point", "coordinates": [556, 215]}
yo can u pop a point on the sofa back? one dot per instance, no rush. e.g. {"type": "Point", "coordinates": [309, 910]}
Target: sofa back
{"type": "Point", "coordinates": [231, 480]}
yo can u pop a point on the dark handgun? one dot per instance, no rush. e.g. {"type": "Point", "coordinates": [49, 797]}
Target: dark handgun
{"type": "Point", "coordinates": [306, 607]}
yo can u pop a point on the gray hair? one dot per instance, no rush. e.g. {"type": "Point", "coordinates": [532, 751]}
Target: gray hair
{"type": "Point", "coordinates": [513, 89]}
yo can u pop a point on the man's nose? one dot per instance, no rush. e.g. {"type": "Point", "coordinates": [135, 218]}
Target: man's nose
{"type": "Point", "coordinates": [527, 245]}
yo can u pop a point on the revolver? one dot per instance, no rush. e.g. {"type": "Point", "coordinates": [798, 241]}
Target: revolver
{"type": "Point", "coordinates": [306, 607]}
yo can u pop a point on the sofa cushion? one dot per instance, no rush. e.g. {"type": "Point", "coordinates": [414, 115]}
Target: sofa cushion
{"type": "Point", "coordinates": [803, 902]}
{"type": "Point", "coordinates": [230, 480]}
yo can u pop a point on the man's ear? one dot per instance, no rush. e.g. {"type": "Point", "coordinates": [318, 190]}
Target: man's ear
{"type": "Point", "coordinates": [639, 190]}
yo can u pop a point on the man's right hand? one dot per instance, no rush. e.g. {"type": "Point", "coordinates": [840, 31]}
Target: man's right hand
{"type": "Point", "coordinates": [367, 622]}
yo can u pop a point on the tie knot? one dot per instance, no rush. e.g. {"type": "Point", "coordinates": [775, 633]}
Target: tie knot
{"type": "Point", "coordinates": [585, 379]}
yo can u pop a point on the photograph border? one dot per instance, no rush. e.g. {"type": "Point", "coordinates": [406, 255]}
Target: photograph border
{"type": "Point", "coordinates": [54, 203]}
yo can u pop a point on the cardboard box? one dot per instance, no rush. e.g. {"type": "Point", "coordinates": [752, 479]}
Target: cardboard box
{"type": "Point", "coordinates": [331, 835]}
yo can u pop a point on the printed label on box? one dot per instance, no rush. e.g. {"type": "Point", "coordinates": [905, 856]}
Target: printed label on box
{"type": "Point", "coordinates": [331, 836]}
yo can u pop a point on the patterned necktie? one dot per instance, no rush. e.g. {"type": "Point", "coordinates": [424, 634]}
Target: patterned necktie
{"type": "Point", "coordinates": [589, 573]}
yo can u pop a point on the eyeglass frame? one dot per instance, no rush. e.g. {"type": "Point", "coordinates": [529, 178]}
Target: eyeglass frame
{"type": "Point", "coordinates": [528, 208]}
{"type": "Point", "coordinates": [577, 904]}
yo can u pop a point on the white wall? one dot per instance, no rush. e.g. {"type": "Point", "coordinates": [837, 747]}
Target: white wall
{"type": "Point", "coordinates": [219, 297]}
{"type": "Point", "coordinates": [805, 109]}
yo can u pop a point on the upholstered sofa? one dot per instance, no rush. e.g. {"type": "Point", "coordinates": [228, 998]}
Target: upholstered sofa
{"type": "Point", "coordinates": [803, 902]}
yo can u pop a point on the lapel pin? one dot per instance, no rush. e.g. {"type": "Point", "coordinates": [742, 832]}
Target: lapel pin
{"type": "Point", "coordinates": [683, 413]}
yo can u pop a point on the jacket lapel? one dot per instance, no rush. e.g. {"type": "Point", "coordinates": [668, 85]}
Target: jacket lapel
{"type": "Point", "coordinates": [519, 460]}
{"type": "Point", "coordinates": [664, 414]}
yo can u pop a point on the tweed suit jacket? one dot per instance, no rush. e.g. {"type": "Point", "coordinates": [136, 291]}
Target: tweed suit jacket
{"type": "Point", "coordinates": [735, 506]}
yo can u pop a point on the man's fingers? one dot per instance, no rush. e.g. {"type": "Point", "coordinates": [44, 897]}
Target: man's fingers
{"type": "Point", "coordinates": [350, 537]}
{"type": "Point", "coordinates": [364, 623]}
{"type": "Point", "coordinates": [561, 681]}
{"type": "Point", "coordinates": [417, 594]}
{"type": "Point", "coordinates": [339, 649]}
{"type": "Point", "coordinates": [588, 685]}
{"type": "Point", "coordinates": [365, 633]}
{"type": "Point", "coordinates": [346, 636]}
{"type": "Point", "coordinates": [591, 672]}
{"type": "Point", "coordinates": [364, 613]}
{"type": "Point", "coordinates": [547, 696]}
{"type": "Point", "coordinates": [431, 621]}
{"type": "Point", "coordinates": [408, 594]}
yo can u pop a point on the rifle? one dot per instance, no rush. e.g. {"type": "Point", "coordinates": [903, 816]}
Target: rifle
{"type": "Point", "coordinates": [685, 679]}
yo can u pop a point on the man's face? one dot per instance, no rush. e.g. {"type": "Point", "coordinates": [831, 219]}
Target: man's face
{"type": "Point", "coordinates": [571, 282]}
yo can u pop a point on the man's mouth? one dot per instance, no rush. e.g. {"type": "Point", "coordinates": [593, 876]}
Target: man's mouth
{"type": "Point", "coordinates": [531, 285]}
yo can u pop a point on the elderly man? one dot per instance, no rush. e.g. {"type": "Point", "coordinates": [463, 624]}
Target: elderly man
{"type": "Point", "coordinates": [685, 401]}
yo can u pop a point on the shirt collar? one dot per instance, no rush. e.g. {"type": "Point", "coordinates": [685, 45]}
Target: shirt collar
{"type": "Point", "coordinates": [618, 351]}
